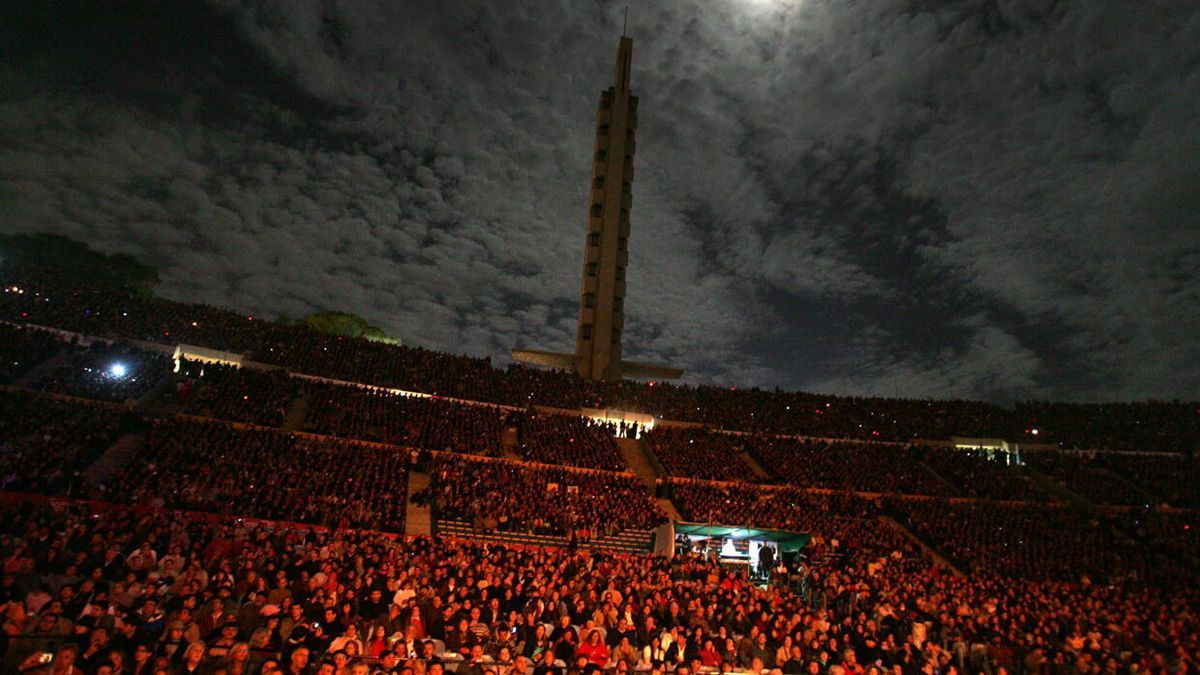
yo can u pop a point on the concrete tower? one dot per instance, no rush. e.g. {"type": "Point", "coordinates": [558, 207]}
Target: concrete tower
{"type": "Point", "coordinates": [606, 246]}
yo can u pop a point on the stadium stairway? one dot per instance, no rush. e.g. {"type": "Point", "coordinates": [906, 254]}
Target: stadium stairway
{"type": "Point", "coordinates": [937, 558]}
{"type": "Point", "coordinates": [668, 506]}
{"type": "Point", "coordinates": [754, 465]}
{"type": "Point", "coordinates": [1150, 497]}
{"type": "Point", "coordinates": [112, 458]}
{"type": "Point", "coordinates": [153, 399]}
{"type": "Point", "coordinates": [1058, 490]}
{"type": "Point", "coordinates": [297, 412]}
{"type": "Point", "coordinates": [637, 457]}
{"type": "Point", "coordinates": [508, 443]}
{"type": "Point", "coordinates": [418, 521]}
{"type": "Point", "coordinates": [941, 479]}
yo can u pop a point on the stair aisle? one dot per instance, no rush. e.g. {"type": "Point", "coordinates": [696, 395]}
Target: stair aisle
{"type": "Point", "coordinates": [417, 519]}
{"type": "Point", "coordinates": [937, 558]}
{"type": "Point", "coordinates": [113, 458]}
{"type": "Point", "coordinates": [635, 453]}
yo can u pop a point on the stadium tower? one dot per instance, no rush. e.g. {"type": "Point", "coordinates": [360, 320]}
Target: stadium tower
{"type": "Point", "coordinates": [606, 245]}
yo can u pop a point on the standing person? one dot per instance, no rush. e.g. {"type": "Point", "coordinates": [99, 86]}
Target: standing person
{"type": "Point", "coordinates": [766, 560]}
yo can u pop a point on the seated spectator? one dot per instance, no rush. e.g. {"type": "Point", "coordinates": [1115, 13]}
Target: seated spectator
{"type": "Point", "coordinates": [859, 466]}
{"type": "Point", "coordinates": [510, 496]}
{"type": "Point", "coordinates": [412, 421]}
{"type": "Point", "coordinates": [209, 466]}
{"type": "Point", "coordinates": [691, 453]}
{"type": "Point", "coordinates": [107, 373]}
{"type": "Point", "coordinates": [568, 440]}
{"type": "Point", "coordinates": [46, 443]}
{"type": "Point", "coordinates": [236, 394]}
{"type": "Point", "coordinates": [21, 349]}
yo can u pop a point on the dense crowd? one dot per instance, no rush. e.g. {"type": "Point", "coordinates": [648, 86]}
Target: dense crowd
{"type": "Point", "coordinates": [982, 474]}
{"type": "Point", "coordinates": [237, 394]}
{"type": "Point", "coordinates": [513, 496]}
{"type": "Point", "coordinates": [695, 453]}
{"type": "Point", "coordinates": [1050, 588]}
{"type": "Point", "coordinates": [1086, 477]}
{"type": "Point", "coordinates": [43, 297]}
{"type": "Point", "coordinates": [568, 440]}
{"type": "Point", "coordinates": [112, 592]}
{"type": "Point", "coordinates": [216, 467]}
{"type": "Point", "coordinates": [45, 442]}
{"type": "Point", "coordinates": [1153, 426]}
{"type": "Point", "coordinates": [47, 297]}
{"type": "Point", "coordinates": [116, 372]}
{"type": "Point", "coordinates": [843, 520]}
{"type": "Point", "coordinates": [1043, 542]}
{"type": "Point", "coordinates": [1172, 479]}
{"type": "Point", "coordinates": [414, 421]}
{"type": "Point", "coordinates": [860, 466]}
{"type": "Point", "coordinates": [23, 348]}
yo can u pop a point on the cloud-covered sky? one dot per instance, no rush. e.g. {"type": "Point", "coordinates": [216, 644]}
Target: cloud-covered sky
{"type": "Point", "coordinates": [992, 199]}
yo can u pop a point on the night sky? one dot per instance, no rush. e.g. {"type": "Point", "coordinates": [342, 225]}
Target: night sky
{"type": "Point", "coordinates": [984, 199]}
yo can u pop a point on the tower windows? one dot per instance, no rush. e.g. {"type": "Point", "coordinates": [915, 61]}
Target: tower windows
{"type": "Point", "coordinates": [585, 331]}
{"type": "Point", "coordinates": [592, 267]}
{"type": "Point", "coordinates": [597, 210]}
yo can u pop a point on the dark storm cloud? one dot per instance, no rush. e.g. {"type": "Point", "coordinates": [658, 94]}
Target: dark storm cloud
{"type": "Point", "coordinates": [981, 199]}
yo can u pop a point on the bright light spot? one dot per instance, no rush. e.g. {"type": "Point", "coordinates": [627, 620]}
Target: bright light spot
{"type": "Point", "coordinates": [117, 371]}
{"type": "Point", "coordinates": [1034, 432]}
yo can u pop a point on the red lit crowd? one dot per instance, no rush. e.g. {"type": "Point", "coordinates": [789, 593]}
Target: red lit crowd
{"type": "Point", "coordinates": [216, 467]}
{"type": "Point", "coordinates": [1070, 564]}
{"type": "Point", "coordinates": [572, 441]}
{"type": "Point", "coordinates": [421, 422]}
{"type": "Point", "coordinates": [499, 495]}
{"type": "Point", "coordinates": [847, 465]}
{"type": "Point", "coordinates": [698, 454]}
{"type": "Point", "coordinates": [114, 592]}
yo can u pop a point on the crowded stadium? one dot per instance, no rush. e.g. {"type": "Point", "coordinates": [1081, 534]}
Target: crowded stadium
{"type": "Point", "coordinates": [361, 455]}
{"type": "Point", "coordinates": [187, 489]}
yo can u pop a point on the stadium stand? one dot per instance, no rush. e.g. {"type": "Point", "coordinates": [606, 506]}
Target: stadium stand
{"type": "Point", "coordinates": [237, 394]}
{"type": "Point", "coordinates": [692, 453]}
{"type": "Point", "coordinates": [222, 543]}
{"type": "Point", "coordinates": [263, 473]}
{"type": "Point", "coordinates": [23, 348]}
{"type": "Point", "coordinates": [399, 419]}
{"type": "Point", "coordinates": [855, 466]}
{"type": "Point", "coordinates": [571, 441]}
